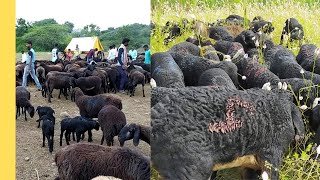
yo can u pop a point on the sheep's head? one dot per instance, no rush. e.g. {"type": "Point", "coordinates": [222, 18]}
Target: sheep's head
{"type": "Point", "coordinates": [129, 131]}
{"type": "Point", "coordinates": [31, 111]}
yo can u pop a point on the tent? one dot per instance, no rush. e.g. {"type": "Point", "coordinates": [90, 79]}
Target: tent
{"type": "Point", "coordinates": [85, 44]}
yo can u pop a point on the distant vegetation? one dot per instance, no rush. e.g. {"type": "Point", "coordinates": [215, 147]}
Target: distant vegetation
{"type": "Point", "coordinates": [45, 33]}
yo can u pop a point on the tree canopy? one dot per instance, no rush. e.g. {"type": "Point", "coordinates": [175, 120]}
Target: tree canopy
{"type": "Point", "coordinates": [45, 33]}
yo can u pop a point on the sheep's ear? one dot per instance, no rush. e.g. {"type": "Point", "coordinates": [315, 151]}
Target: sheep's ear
{"type": "Point", "coordinates": [244, 39]}
{"type": "Point", "coordinates": [136, 136]}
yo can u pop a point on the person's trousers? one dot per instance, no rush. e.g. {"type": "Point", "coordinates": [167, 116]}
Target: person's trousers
{"type": "Point", "coordinates": [123, 78]}
{"type": "Point", "coordinates": [31, 71]}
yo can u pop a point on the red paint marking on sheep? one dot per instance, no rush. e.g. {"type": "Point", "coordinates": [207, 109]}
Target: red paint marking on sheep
{"type": "Point", "coordinates": [231, 123]}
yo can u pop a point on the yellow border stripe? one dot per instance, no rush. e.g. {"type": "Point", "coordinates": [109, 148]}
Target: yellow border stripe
{"type": "Point", "coordinates": [7, 90]}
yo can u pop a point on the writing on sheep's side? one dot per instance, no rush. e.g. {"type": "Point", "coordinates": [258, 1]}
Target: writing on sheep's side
{"type": "Point", "coordinates": [231, 123]}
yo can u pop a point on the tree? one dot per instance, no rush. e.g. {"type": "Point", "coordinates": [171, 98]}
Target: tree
{"type": "Point", "coordinates": [70, 25]}
{"type": "Point", "coordinates": [44, 22]}
{"type": "Point", "coordinates": [21, 27]}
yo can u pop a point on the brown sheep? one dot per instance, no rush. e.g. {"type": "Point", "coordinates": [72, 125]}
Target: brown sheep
{"type": "Point", "coordinates": [89, 106]}
{"type": "Point", "coordinates": [84, 161]}
{"type": "Point", "coordinates": [111, 120]}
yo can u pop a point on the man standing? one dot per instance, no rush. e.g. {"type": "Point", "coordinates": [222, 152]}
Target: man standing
{"type": "Point", "coordinates": [147, 55]}
{"type": "Point", "coordinates": [55, 52]}
{"type": "Point", "coordinates": [29, 68]}
{"type": "Point", "coordinates": [77, 52]}
{"type": "Point", "coordinates": [112, 53]}
{"type": "Point", "coordinates": [133, 53]}
{"type": "Point", "coordinates": [90, 55]}
{"type": "Point", "coordinates": [122, 63]}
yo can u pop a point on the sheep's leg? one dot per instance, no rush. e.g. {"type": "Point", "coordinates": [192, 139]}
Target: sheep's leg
{"type": "Point", "coordinates": [39, 123]}
{"type": "Point", "coordinates": [25, 114]}
{"type": "Point", "coordinates": [89, 136]}
{"type": "Point", "coordinates": [213, 175]}
{"type": "Point", "coordinates": [78, 134]}
{"type": "Point", "coordinates": [66, 93]}
{"type": "Point", "coordinates": [281, 38]}
{"type": "Point", "coordinates": [50, 143]}
{"type": "Point", "coordinates": [49, 94]}
{"type": "Point", "coordinates": [274, 158]}
{"type": "Point", "coordinates": [60, 91]}
{"type": "Point", "coordinates": [73, 137]}
{"type": "Point", "coordinates": [66, 136]}
{"type": "Point", "coordinates": [61, 137]}
{"type": "Point", "coordinates": [102, 139]}
{"type": "Point", "coordinates": [43, 139]}
{"type": "Point", "coordinates": [143, 90]}
{"type": "Point", "coordinates": [17, 112]}
{"type": "Point", "coordinates": [251, 174]}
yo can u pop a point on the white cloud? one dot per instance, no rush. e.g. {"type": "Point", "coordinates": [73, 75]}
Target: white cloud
{"type": "Point", "coordinates": [103, 13]}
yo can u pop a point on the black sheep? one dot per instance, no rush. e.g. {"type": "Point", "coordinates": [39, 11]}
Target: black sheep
{"type": "Point", "coordinates": [86, 161]}
{"type": "Point", "coordinates": [111, 120]}
{"type": "Point", "coordinates": [309, 58]}
{"type": "Point", "coordinates": [165, 71]}
{"type": "Point", "coordinates": [47, 132]}
{"type": "Point", "coordinates": [293, 29]}
{"type": "Point", "coordinates": [215, 77]}
{"type": "Point", "coordinates": [185, 47]}
{"type": "Point", "coordinates": [193, 66]}
{"type": "Point", "coordinates": [135, 132]}
{"type": "Point", "coordinates": [248, 39]}
{"type": "Point", "coordinates": [199, 129]}
{"type": "Point", "coordinates": [193, 41]}
{"type": "Point", "coordinates": [91, 83]}
{"type": "Point", "coordinates": [79, 125]}
{"type": "Point", "coordinates": [220, 33]}
{"type": "Point", "coordinates": [58, 82]}
{"type": "Point", "coordinates": [263, 26]}
{"type": "Point", "coordinates": [23, 102]}
{"type": "Point", "coordinates": [233, 49]}
{"type": "Point", "coordinates": [210, 53]}
{"type": "Point", "coordinates": [114, 77]}
{"type": "Point", "coordinates": [45, 110]}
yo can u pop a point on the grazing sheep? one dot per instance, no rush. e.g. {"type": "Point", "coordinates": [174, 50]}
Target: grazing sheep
{"type": "Point", "coordinates": [23, 102]}
{"type": "Point", "coordinates": [87, 83]}
{"type": "Point", "coordinates": [199, 129]}
{"type": "Point", "coordinates": [193, 66]}
{"type": "Point", "coordinates": [165, 71]}
{"type": "Point", "coordinates": [45, 110]}
{"type": "Point", "coordinates": [263, 26]}
{"type": "Point", "coordinates": [248, 39]}
{"type": "Point", "coordinates": [47, 132]}
{"type": "Point", "coordinates": [220, 33]}
{"type": "Point", "coordinates": [79, 125]}
{"type": "Point", "coordinates": [90, 160]}
{"type": "Point", "coordinates": [293, 29]}
{"type": "Point", "coordinates": [135, 78]}
{"type": "Point", "coordinates": [309, 58]}
{"type": "Point", "coordinates": [111, 120]}
{"type": "Point", "coordinates": [215, 77]}
{"type": "Point", "coordinates": [89, 106]}
{"type": "Point", "coordinates": [58, 82]}
{"type": "Point", "coordinates": [135, 132]}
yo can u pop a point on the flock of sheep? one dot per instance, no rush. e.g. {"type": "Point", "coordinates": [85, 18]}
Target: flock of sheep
{"type": "Point", "coordinates": [87, 85]}
{"type": "Point", "coordinates": [217, 107]}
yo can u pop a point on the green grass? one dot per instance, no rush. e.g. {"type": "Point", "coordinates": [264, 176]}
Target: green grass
{"type": "Point", "coordinates": [299, 162]}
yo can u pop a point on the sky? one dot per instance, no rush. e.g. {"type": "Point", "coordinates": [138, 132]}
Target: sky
{"type": "Point", "coordinates": [103, 13]}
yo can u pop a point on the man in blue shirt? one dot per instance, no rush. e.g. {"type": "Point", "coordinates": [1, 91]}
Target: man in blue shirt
{"type": "Point", "coordinates": [29, 67]}
{"type": "Point", "coordinates": [147, 55]}
{"type": "Point", "coordinates": [122, 64]}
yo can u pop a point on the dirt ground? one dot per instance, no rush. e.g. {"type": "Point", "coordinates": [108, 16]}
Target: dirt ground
{"type": "Point", "coordinates": [33, 159]}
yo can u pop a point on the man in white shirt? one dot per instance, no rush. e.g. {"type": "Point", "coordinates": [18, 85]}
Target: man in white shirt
{"type": "Point", "coordinates": [55, 52]}
{"type": "Point", "coordinates": [112, 53]}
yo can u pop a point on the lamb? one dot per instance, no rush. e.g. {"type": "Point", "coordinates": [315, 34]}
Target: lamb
{"type": "Point", "coordinates": [309, 58]}
{"type": "Point", "coordinates": [87, 83]}
{"type": "Point", "coordinates": [47, 132]}
{"type": "Point", "coordinates": [248, 39]}
{"type": "Point", "coordinates": [91, 160]}
{"type": "Point", "coordinates": [134, 131]}
{"type": "Point", "coordinates": [45, 110]}
{"type": "Point", "coordinates": [165, 71]}
{"type": "Point", "coordinates": [253, 130]}
{"type": "Point", "coordinates": [79, 125]}
{"type": "Point", "coordinates": [293, 29]}
{"type": "Point", "coordinates": [135, 78]}
{"type": "Point", "coordinates": [263, 26]}
{"type": "Point", "coordinates": [89, 106]}
{"type": "Point", "coordinates": [220, 33]}
{"type": "Point", "coordinates": [215, 77]}
{"type": "Point", "coordinates": [58, 82]}
{"type": "Point", "coordinates": [193, 66]}
{"type": "Point", "coordinates": [112, 120]}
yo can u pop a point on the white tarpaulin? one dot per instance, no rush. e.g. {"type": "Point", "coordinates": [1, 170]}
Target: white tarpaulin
{"type": "Point", "coordinates": [85, 44]}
